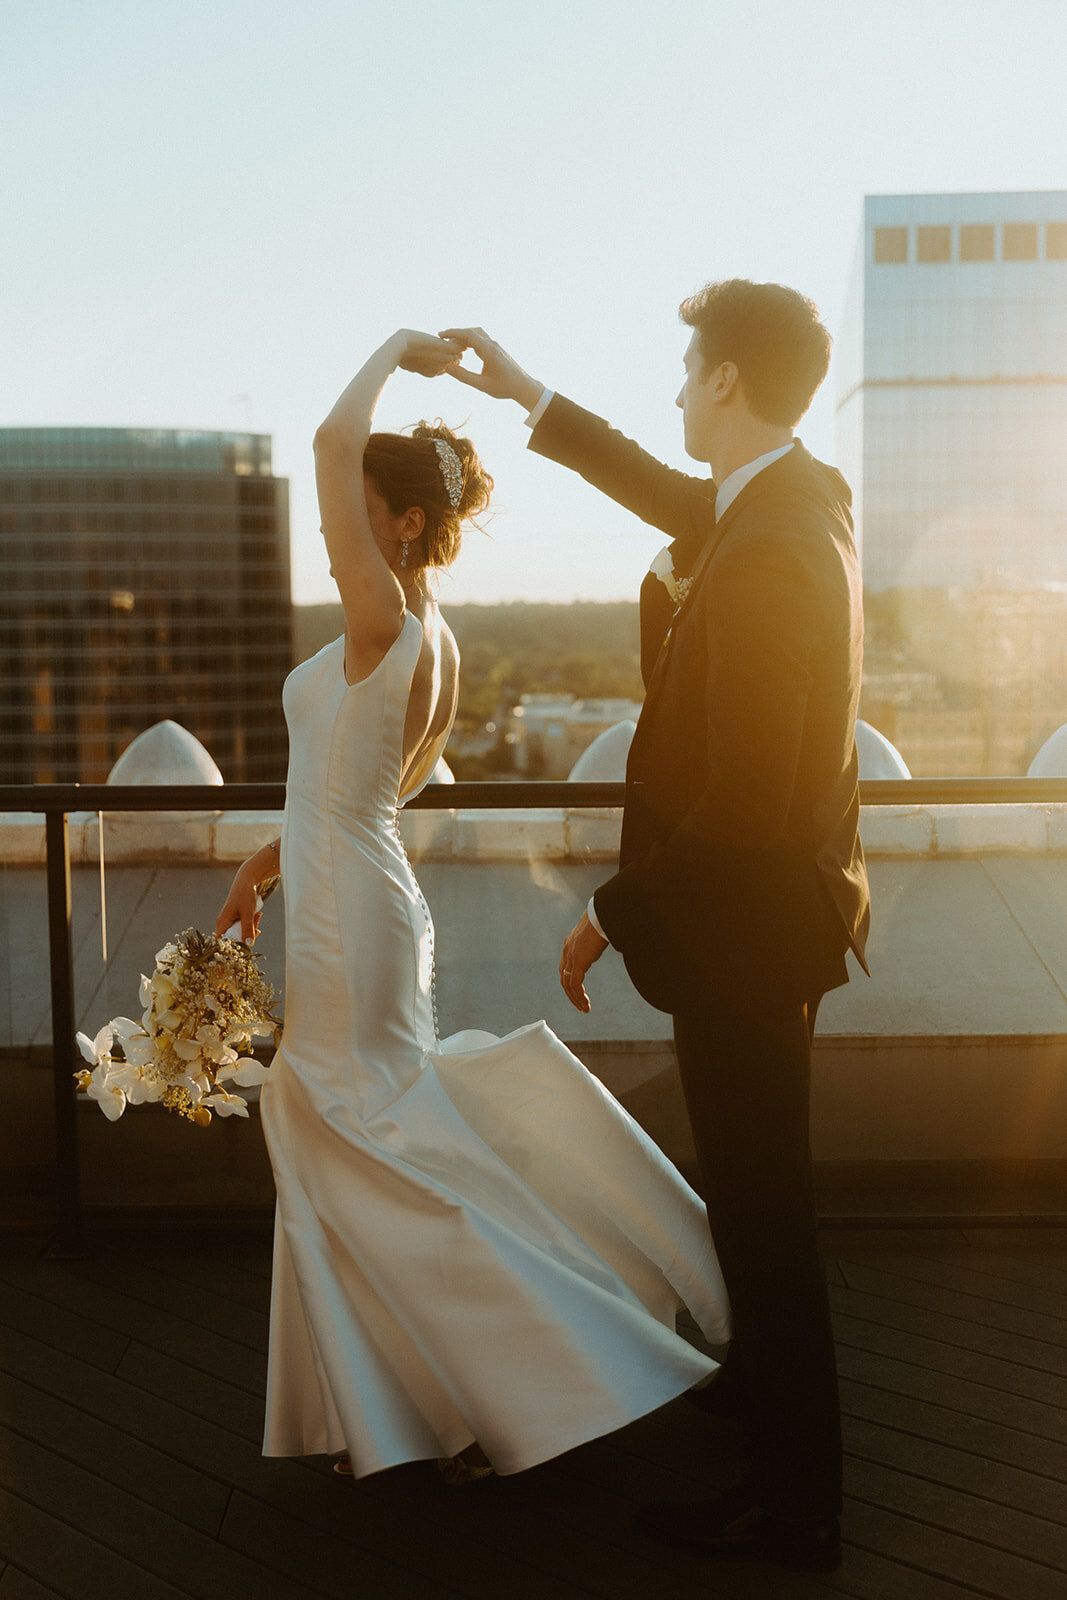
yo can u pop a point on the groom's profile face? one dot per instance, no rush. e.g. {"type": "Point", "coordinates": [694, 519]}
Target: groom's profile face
{"type": "Point", "coordinates": [696, 403]}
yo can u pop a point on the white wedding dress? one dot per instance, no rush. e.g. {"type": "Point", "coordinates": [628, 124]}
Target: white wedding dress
{"type": "Point", "coordinates": [473, 1240]}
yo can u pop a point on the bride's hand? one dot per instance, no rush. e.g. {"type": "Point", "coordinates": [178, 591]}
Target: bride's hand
{"type": "Point", "coordinates": [501, 376]}
{"type": "Point", "coordinates": [426, 354]}
{"type": "Point", "coordinates": [240, 906]}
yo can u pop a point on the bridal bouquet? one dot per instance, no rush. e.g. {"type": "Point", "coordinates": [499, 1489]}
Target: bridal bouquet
{"type": "Point", "coordinates": [203, 1005]}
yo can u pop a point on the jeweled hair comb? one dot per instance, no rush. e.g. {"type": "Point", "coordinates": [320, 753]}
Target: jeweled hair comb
{"type": "Point", "coordinates": [451, 470]}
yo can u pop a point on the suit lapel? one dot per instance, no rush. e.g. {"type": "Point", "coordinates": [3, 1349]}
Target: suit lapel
{"type": "Point", "coordinates": [657, 607]}
{"type": "Point", "coordinates": [700, 553]}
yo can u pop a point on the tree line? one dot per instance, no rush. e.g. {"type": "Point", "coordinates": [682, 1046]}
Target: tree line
{"type": "Point", "coordinates": [589, 649]}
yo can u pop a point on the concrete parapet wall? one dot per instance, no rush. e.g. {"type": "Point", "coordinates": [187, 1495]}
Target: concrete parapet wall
{"type": "Point", "coordinates": [953, 1051]}
{"type": "Point", "coordinates": [994, 1105]}
{"type": "Point", "coordinates": [944, 831]}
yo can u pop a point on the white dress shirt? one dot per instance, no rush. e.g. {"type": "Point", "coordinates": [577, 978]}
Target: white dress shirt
{"type": "Point", "coordinates": [534, 416]}
{"type": "Point", "coordinates": [731, 487]}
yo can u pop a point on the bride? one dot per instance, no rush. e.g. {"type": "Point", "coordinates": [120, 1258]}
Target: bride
{"type": "Point", "coordinates": [478, 1256]}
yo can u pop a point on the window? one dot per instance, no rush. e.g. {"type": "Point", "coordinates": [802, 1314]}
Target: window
{"type": "Point", "coordinates": [933, 244]}
{"type": "Point", "coordinates": [1020, 241]}
{"type": "Point", "coordinates": [1056, 241]}
{"type": "Point", "coordinates": [890, 245]}
{"type": "Point", "coordinates": [976, 241]}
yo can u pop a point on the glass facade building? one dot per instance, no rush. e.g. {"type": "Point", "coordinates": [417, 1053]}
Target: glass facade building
{"type": "Point", "coordinates": [145, 576]}
{"type": "Point", "coordinates": [952, 416]}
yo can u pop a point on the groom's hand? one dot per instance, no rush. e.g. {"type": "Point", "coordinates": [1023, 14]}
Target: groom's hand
{"type": "Point", "coordinates": [582, 946]}
{"type": "Point", "coordinates": [501, 376]}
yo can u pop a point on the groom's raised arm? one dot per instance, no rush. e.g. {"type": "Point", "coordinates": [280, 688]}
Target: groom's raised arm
{"type": "Point", "coordinates": [658, 494]}
{"type": "Point", "coordinates": [670, 500]}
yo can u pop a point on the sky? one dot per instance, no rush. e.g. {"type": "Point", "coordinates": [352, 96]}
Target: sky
{"type": "Point", "coordinates": [211, 211]}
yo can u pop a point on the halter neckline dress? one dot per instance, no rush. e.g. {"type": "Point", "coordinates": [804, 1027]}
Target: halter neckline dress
{"type": "Point", "coordinates": [474, 1241]}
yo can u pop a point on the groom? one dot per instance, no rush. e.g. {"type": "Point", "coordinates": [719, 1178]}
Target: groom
{"type": "Point", "coordinates": [741, 881]}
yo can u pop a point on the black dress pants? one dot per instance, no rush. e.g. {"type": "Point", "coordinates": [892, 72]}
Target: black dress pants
{"type": "Point", "coordinates": [746, 1069]}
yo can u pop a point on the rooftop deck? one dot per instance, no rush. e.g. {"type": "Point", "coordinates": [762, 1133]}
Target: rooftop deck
{"type": "Point", "coordinates": [131, 1383]}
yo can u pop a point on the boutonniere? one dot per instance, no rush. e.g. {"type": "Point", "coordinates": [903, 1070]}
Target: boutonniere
{"type": "Point", "coordinates": [663, 568]}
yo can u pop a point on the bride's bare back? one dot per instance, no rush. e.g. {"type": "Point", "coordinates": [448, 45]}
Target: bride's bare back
{"type": "Point", "coordinates": [432, 702]}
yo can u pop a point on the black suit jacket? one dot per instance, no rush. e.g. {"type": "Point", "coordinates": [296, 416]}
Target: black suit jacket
{"type": "Point", "coordinates": [740, 862]}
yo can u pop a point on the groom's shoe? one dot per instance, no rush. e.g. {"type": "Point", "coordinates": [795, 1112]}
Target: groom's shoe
{"type": "Point", "coordinates": [723, 1395]}
{"type": "Point", "coordinates": [731, 1527]}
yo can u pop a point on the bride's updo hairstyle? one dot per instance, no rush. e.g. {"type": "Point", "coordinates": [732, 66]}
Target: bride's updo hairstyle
{"type": "Point", "coordinates": [406, 471]}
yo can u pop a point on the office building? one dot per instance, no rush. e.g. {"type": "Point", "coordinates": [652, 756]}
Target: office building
{"type": "Point", "coordinates": [548, 733]}
{"type": "Point", "coordinates": [952, 415]}
{"type": "Point", "coordinates": [145, 576]}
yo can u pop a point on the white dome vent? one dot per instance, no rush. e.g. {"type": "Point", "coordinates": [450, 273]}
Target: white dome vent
{"type": "Point", "coordinates": [165, 753]}
{"type": "Point", "coordinates": [877, 757]}
{"type": "Point", "coordinates": [1051, 759]}
{"type": "Point", "coordinates": [604, 761]}
{"type": "Point", "coordinates": [442, 772]}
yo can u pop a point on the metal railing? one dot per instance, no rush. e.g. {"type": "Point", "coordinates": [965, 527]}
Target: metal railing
{"type": "Point", "coordinates": [57, 801]}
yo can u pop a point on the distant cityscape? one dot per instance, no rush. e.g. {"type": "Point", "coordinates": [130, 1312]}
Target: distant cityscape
{"type": "Point", "coordinates": [146, 572]}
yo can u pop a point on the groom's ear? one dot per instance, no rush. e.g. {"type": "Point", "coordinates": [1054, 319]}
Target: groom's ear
{"type": "Point", "coordinates": [725, 381]}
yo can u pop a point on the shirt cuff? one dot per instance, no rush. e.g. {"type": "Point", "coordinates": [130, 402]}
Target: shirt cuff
{"type": "Point", "coordinates": [590, 912]}
{"type": "Point", "coordinates": [538, 411]}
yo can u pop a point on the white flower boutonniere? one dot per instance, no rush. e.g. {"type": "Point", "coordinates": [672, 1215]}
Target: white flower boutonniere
{"type": "Point", "coordinates": [663, 568]}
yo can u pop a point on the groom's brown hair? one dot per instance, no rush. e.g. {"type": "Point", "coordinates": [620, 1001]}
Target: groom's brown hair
{"type": "Point", "coordinates": [772, 335]}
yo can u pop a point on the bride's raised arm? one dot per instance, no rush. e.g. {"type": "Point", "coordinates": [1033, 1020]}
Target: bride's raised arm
{"type": "Point", "coordinates": [371, 595]}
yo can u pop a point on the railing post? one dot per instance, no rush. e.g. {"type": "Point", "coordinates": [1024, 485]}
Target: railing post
{"type": "Point", "coordinates": [68, 1185]}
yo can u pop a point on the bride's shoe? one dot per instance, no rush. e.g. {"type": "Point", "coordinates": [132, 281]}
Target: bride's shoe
{"type": "Point", "coordinates": [470, 1466]}
{"type": "Point", "coordinates": [343, 1465]}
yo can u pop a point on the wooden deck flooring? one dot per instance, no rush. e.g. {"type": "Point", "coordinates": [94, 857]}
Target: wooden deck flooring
{"type": "Point", "coordinates": [130, 1400]}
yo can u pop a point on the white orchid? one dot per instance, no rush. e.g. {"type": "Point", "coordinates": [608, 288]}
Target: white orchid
{"type": "Point", "coordinates": [105, 1091]}
{"type": "Point", "coordinates": [137, 1045]}
{"type": "Point", "coordinates": [163, 988]}
{"type": "Point", "coordinates": [155, 995]}
{"type": "Point", "coordinates": [99, 1084]}
{"type": "Point", "coordinates": [247, 1073]}
{"type": "Point", "coordinates": [139, 1087]}
{"type": "Point", "coordinates": [99, 1049]}
{"type": "Point", "coordinates": [214, 1046]}
{"type": "Point", "coordinates": [227, 1105]}
{"type": "Point", "coordinates": [195, 1083]}
{"type": "Point", "coordinates": [195, 1086]}
{"type": "Point", "coordinates": [663, 568]}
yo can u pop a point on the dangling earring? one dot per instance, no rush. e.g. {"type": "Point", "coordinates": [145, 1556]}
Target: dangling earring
{"type": "Point", "coordinates": [403, 552]}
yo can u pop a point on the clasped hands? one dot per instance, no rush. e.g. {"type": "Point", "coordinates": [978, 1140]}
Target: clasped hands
{"type": "Point", "coordinates": [500, 377]}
